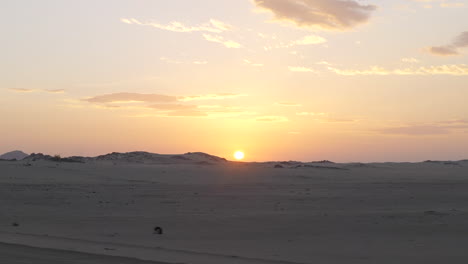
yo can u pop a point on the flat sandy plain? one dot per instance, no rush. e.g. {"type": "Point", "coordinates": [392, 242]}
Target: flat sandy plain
{"type": "Point", "coordinates": [105, 212]}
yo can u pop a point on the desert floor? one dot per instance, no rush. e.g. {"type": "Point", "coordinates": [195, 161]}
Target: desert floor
{"type": "Point", "coordinates": [17, 254]}
{"type": "Point", "coordinates": [234, 213]}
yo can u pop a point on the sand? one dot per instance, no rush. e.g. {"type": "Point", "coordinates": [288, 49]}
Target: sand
{"type": "Point", "coordinates": [237, 213]}
{"type": "Point", "coordinates": [17, 254]}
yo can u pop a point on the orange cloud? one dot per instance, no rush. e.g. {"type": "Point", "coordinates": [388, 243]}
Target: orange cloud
{"type": "Point", "coordinates": [454, 69]}
{"type": "Point", "coordinates": [54, 90]}
{"type": "Point", "coordinates": [437, 128]}
{"type": "Point", "coordinates": [21, 90]}
{"type": "Point", "coordinates": [214, 26]}
{"type": "Point", "coordinates": [272, 119]}
{"type": "Point", "coordinates": [172, 107]}
{"type": "Point", "coordinates": [209, 97]}
{"type": "Point", "coordinates": [131, 97]}
{"type": "Point", "coordinates": [288, 104]}
{"type": "Point", "coordinates": [336, 15]}
{"type": "Point", "coordinates": [461, 41]}
{"type": "Point", "coordinates": [218, 39]}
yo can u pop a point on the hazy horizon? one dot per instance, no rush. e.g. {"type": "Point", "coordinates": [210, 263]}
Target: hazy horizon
{"type": "Point", "coordinates": [232, 157]}
{"type": "Point", "coordinates": [346, 81]}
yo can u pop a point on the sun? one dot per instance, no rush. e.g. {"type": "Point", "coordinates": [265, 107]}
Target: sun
{"type": "Point", "coordinates": [239, 155]}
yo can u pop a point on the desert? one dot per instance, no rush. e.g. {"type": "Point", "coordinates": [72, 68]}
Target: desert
{"type": "Point", "coordinates": [218, 211]}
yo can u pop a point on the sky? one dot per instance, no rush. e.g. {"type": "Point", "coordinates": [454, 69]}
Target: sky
{"type": "Point", "coordinates": [341, 80]}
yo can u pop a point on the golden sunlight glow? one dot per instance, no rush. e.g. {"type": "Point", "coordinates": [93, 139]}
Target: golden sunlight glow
{"type": "Point", "coordinates": [239, 155]}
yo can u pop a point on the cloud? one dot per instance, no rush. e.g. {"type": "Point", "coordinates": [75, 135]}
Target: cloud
{"type": "Point", "coordinates": [338, 120]}
{"type": "Point", "coordinates": [335, 15]}
{"type": "Point", "coordinates": [21, 90]}
{"type": "Point", "coordinates": [54, 91]}
{"type": "Point", "coordinates": [213, 26]}
{"type": "Point", "coordinates": [455, 122]}
{"type": "Point", "coordinates": [416, 130]}
{"type": "Point", "coordinates": [172, 61]}
{"type": "Point", "coordinates": [158, 105]}
{"type": "Point", "coordinates": [323, 63]}
{"type": "Point", "coordinates": [301, 69]}
{"type": "Point", "coordinates": [453, 4]}
{"type": "Point", "coordinates": [209, 97]}
{"type": "Point", "coordinates": [288, 104]}
{"type": "Point", "coordinates": [208, 111]}
{"type": "Point", "coordinates": [248, 62]}
{"type": "Point", "coordinates": [443, 3]}
{"type": "Point", "coordinates": [272, 119]}
{"type": "Point", "coordinates": [461, 41]}
{"type": "Point", "coordinates": [304, 41]}
{"type": "Point", "coordinates": [131, 97]}
{"type": "Point", "coordinates": [310, 114]}
{"type": "Point", "coordinates": [125, 97]}
{"type": "Point", "coordinates": [454, 69]}
{"type": "Point", "coordinates": [309, 40]}
{"type": "Point", "coordinates": [218, 39]}
{"type": "Point", "coordinates": [187, 113]}
{"type": "Point", "coordinates": [443, 51]}
{"type": "Point", "coordinates": [172, 107]}
{"type": "Point", "coordinates": [325, 117]}
{"type": "Point", "coordinates": [436, 128]}
{"type": "Point", "coordinates": [410, 60]}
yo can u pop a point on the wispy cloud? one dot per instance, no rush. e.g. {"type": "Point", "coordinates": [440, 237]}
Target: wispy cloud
{"type": "Point", "coordinates": [442, 3]}
{"type": "Point", "coordinates": [213, 26]}
{"type": "Point", "coordinates": [311, 114]}
{"type": "Point", "coordinates": [253, 64]}
{"type": "Point", "coordinates": [438, 128]}
{"type": "Point", "coordinates": [272, 119]}
{"type": "Point", "coordinates": [416, 130]}
{"type": "Point", "coordinates": [219, 39]}
{"type": "Point", "coordinates": [288, 104]}
{"type": "Point", "coordinates": [455, 70]}
{"type": "Point", "coordinates": [410, 60]}
{"type": "Point", "coordinates": [301, 69]}
{"type": "Point", "coordinates": [304, 41]}
{"type": "Point", "coordinates": [336, 15]}
{"type": "Point", "coordinates": [159, 105]}
{"type": "Point", "coordinates": [308, 40]}
{"type": "Point", "coordinates": [56, 91]}
{"type": "Point", "coordinates": [461, 41]}
{"type": "Point", "coordinates": [126, 97]}
{"type": "Point", "coordinates": [187, 113]}
{"type": "Point", "coordinates": [173, 61]}
{"type": "Point", "coordinates": [325, 117]}
{"type": "Point", "coordinates": [209, 97]}
{"type": "Point", "coordinates": [172, 107]}
{"type": "Point", "coordinates": [130, 97]}
{"type": "Point", "coordinates": [452, 4]}
{"type": "Point", "coordinates": [21, 90]}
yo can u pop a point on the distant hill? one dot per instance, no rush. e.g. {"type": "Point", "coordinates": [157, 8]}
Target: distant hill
{"type": "Point", "coordinates": [152, 158]}
{"type": "Point", "coordinates": [14, 155]}
{"type": "Point", "coordinates": [137, 157]}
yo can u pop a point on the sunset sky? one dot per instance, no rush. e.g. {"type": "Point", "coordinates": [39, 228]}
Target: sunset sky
{"type": "Point", "coordinates": [342, 80]}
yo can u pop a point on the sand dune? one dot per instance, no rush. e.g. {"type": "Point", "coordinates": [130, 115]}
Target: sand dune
{"type": "Point", "coordinates": [229, 212]}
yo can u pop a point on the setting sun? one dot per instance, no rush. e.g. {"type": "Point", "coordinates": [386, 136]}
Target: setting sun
{"type": "Point", "coordinates": [239, 155]}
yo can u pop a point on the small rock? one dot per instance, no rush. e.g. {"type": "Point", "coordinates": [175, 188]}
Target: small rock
{"type": "Point", "coordinates": [158, 230]}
